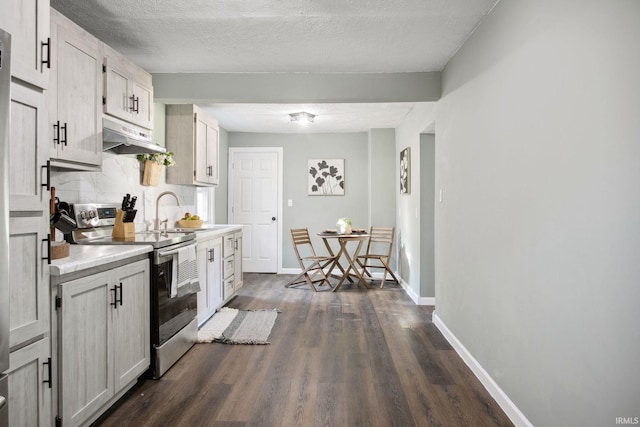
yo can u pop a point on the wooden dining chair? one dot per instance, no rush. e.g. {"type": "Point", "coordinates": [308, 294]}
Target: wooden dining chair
{"type": "Point", "coordinates": [311, 264]}
{"type": "Point", "coordinates": [378, 252]}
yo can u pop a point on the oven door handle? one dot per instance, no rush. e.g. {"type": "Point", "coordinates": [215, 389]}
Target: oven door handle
{"type": "Point", "coordinates": [171, 252]}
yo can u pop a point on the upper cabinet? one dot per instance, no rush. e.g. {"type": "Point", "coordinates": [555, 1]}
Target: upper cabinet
{"type": "Point", "coordinates": [75, 98]}
{"type": "Point", "coordinates": [192, 135]}
{"type": "Point", "coordinates": [128, 90]}
{"type": "Point", "coordinates": [28, 23]}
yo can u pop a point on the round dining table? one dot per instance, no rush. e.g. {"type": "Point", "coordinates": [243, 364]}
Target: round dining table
{"type": "Point", "coordinates": [348, 265]}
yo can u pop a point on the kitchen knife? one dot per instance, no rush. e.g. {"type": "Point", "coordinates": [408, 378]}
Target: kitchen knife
{"type": "Point", "coordinates": [124, 203]}
{"type": "Point", "coordinates": [133, 202]}
{"type": "Point", "coordinates": [130, 215]}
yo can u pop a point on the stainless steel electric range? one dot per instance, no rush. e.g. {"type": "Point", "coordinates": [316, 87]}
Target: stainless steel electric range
{"type": "Point", "coordinates": [173, 319]}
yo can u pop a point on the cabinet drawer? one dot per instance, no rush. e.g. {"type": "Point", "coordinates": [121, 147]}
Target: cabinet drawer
{"type": "Point", "coordinates": [229, 267]}
{"type": "Point", "coordinates": [228, 246]}
{"type": "Point", "coordinates": [228, 287]}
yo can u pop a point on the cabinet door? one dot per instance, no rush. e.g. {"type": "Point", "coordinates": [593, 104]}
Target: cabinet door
{"type": "Point", "coordinates": [28, 150]}
{"type": "Point", "coordinates": [85, 346]}
{"type": "Point", "coordinates": [237, 262]}
{"type": "Point", "coordinates": [76, 115]}
{"type": "Point", "coordinates": [212, 155]}
{"type": "Point", "coordinates": [29, 279]}
{"type": "Point", "coordinates": [30, 385]}
{"type": "Point", "coordinates": [209, 255]}
{"type": "Point", "coordinates": [132, 348]}
{"type": "Point", "coordinates": [28, 24]}
{"type": "Point", "coordinates": [201, 162]}
{"type": "Point", "coordinates": [143, 103]}
{"type": "Point", "coordinates": [116, 90]}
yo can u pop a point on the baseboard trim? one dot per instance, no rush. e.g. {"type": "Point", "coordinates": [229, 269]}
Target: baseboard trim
{"type": "Point", "coordinates": [501, 398]}
{"type": "Point", "coordinates": [417, 299]}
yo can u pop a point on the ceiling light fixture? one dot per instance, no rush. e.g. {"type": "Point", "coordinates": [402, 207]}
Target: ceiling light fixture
{"type": "Point", "coordinates": [302, 117]}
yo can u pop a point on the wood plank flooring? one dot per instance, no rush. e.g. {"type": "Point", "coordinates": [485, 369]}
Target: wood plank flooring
{"type": "Point", "coordinates": [356, 357]}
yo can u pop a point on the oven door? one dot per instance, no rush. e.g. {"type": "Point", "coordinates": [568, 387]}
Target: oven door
{"type": "Point", "coordinates": [169, 314]}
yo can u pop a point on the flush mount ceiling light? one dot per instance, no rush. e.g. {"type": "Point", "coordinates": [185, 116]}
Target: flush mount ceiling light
{"type": "Point", "coordinates": [302, 117]}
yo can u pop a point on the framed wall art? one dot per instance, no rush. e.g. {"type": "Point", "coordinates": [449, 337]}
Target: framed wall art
{"type": "Point", "coordinates": [405, 171]}
{"type": "Point", "coordinates": [325, 177]}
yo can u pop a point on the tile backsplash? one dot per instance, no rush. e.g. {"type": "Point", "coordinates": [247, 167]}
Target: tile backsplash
{"type": "Point", "coordinates": [121, 174]}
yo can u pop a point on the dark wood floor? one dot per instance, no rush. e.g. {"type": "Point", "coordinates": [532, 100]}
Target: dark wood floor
{"type": "Point", "coordinates": [353, 358]}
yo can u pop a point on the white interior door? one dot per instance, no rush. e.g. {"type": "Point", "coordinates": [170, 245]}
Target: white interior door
{"type": "Point", "coordinates": [255, 201]}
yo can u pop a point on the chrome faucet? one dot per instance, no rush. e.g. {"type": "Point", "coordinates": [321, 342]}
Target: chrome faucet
{"type": "Point", "coordinates": [156, 222]}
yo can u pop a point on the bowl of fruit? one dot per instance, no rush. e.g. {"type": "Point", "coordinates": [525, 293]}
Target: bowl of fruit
{"type": "Point", "coordinates": [190, 221]}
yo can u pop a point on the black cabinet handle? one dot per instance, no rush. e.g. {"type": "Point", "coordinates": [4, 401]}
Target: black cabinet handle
{"type": "Point", "coordinates": [120, 287]}
{"type": "Point", "coordinates": [56, 132]}
{"type": "Point", "coordinates": [212, 255]}
{"type": "Point", "coordinates": [48, 168]}
{"type": "Point", "coordinates": [64, 140]}
{"type": "Point", "coordinates": [136, 105]}
{"type": "Point", "coordinates": [48, 257]}
{"type": "Point", "coordinates": [48, 363]}
{"type": "Point", "coordinates": [114, 304]}
{"type": "Point", "coordinates": [47, 61]}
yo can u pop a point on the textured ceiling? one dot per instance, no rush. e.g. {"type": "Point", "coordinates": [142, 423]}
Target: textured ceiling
{"type": "Point", "coordinates": [329, 117]}
{"type": "Point", "coordinates": [322, 36]}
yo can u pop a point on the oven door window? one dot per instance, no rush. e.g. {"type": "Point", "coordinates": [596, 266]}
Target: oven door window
{"type": "Point", "coordinates": [173, 313]}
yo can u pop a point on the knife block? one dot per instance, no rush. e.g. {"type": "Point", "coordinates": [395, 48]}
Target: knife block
{"type": "Point", "coordinates": [123, 230]}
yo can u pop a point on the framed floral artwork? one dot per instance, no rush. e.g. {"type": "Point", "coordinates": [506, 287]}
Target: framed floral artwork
{"type": "Point", "coordinates": [325, 177]}
{"type": "Point", "coordinates": [405, 171]}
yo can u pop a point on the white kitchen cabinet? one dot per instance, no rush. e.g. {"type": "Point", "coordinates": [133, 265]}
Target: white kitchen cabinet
{"type": "Point", "coordinates": [75, 98]}
{"type": "Point", "coordinates": [209, 256]}
{"type": "Point", "coordinates": [29, 399]}
{"type": "Point", "coordinates": [30, 385]}
{"type": "Point", "coordinates": [192, 136]}
{"type": "Point", "coordinates": [131, 320]}
{"type": "Point", "coordinates": [128, 90]}
{"type": "Point", "coordinates": [28, 151]}
{"type": "Point", "coordinates": [29, 284]}
{"type": "Point", "coordinates": [85, 348]}
{"type": "Point", "coordinates": [28, 24]}
{"type": "Point", "coordinates": [228, 266]}
{"type": "Point", "coordinates": [237, 261]}
{"type": "Point", "coordinates": [103, 339]}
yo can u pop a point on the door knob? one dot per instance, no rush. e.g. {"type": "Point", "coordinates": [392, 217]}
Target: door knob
{"type": "Point", "coordinates": [273, 218]}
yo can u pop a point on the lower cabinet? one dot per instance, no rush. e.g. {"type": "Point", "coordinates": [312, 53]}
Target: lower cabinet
{"type": "Point", "coordinates": [209, 256]}
{"type": "Point", "coordinates": [103, 339]}
{"type": "Point", "coordinates": [30, 385]}
{"type": "Point", "coordinates": [219, 269]}
{"type": "Point", "coordinates": [229, 268]}
{"type": "Point", "coordinates": [237, 261]}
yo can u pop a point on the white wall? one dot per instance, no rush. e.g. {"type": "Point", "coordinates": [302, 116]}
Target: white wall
{"type": "Point", "coordinates": [316, 212]}
{"type": "Point", "coordinates": [538, 236]}
{"type": "Point", "coordinates": [408, 205]}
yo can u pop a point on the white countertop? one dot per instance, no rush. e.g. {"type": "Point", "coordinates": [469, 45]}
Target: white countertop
{"type": "Point", "coordinates": [82, 257]}
{"type": "Point", "coordinates": [211, 231]}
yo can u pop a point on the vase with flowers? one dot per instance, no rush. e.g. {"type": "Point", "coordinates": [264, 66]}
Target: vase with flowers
{"type": "Point", "coordinates": [152, 166]}
{"type": "Point", "coordinates": [344, 225]}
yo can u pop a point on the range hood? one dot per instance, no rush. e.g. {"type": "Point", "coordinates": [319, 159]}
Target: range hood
{"type": "Point", "coordinates": [123, 138]}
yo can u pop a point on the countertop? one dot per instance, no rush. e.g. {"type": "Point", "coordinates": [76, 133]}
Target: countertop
{"type": "Point", "coordinates": [82, 257]}
{"type": "Point", "coordinates": [211, 231]}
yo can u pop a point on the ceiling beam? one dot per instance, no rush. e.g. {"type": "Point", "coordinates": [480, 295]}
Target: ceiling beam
{"type": "Point", "coordinates": [296, 87]}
